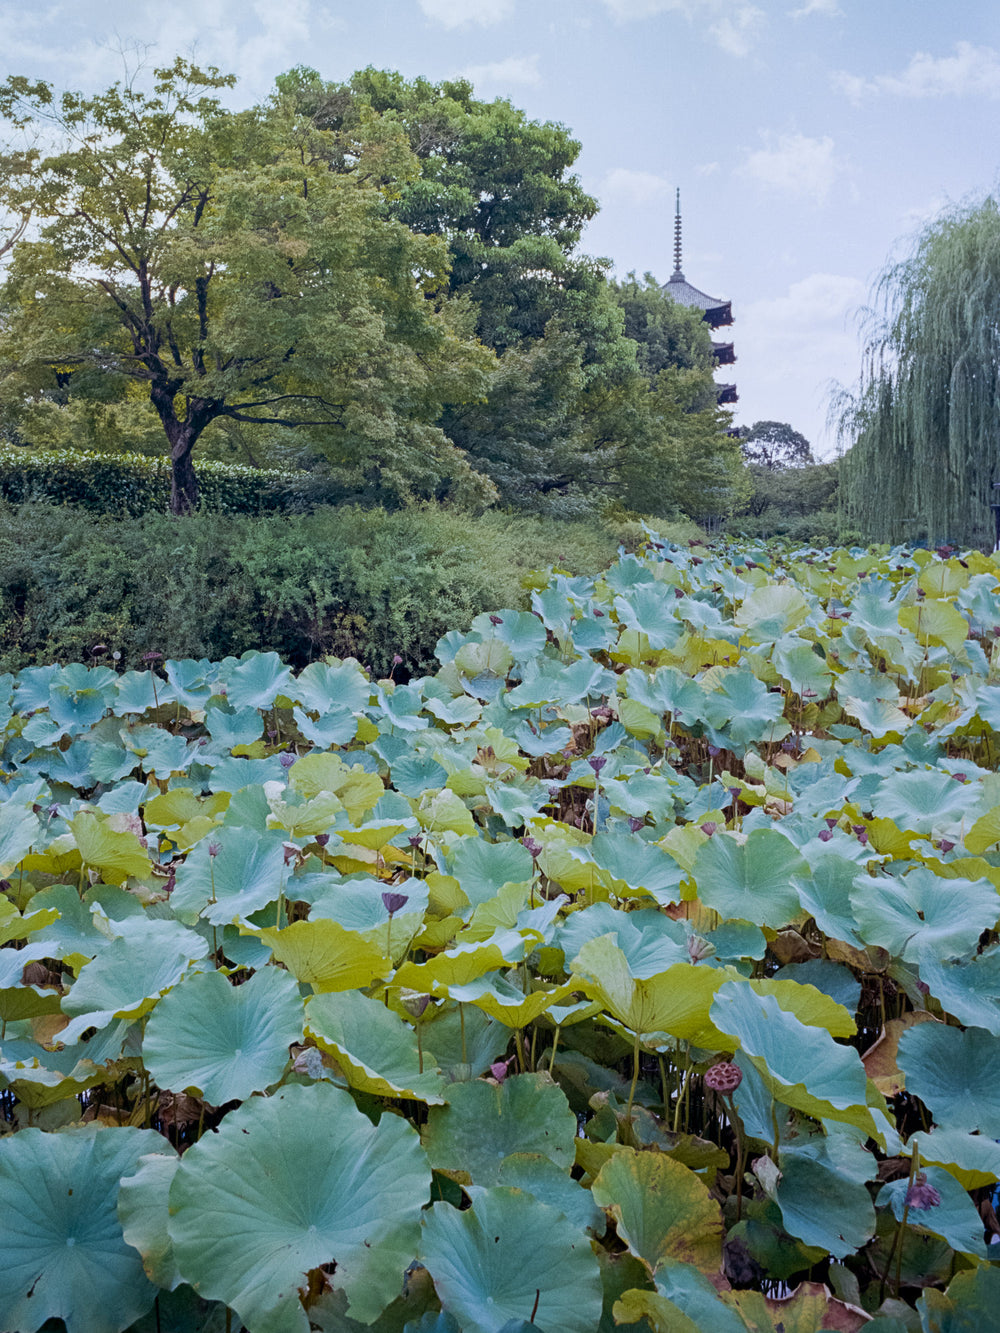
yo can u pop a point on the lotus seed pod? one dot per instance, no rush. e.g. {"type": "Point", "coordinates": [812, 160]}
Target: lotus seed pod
{"type": "Point", "coordinates": [724, 1077]}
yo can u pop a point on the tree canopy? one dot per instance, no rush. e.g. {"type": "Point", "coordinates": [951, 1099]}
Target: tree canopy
{"type": "Point", "coordinates": [923, 421]}
{"type": "Point", "coordinates": [215, 261]}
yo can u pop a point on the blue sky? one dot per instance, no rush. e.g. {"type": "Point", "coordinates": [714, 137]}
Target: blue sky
{"type": "Point", "coordinates": [808, 137]}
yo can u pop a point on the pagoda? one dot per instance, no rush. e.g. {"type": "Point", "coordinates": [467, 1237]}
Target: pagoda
{"type": "Point", "coordinates": [717, 314]}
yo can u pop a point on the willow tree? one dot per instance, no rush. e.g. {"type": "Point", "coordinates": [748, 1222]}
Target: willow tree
{"type": "Point", "coordinates": [924, 424]}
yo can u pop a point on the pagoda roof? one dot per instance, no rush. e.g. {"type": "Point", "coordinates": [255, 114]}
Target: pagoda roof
{"type": "Point", "coordinates": [726, 393]}
{"type": "Point", "coordinates": [716, 312]}
{"type": "Point", "coordinates": [724, 354]}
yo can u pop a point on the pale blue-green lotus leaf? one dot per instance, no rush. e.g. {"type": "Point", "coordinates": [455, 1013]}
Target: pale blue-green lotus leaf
{"type": "Point", "coordinates": [846, 1221]}
{"type": "Point", "coordinates": [968, 989]}
{"type": "Point", "coordinates": [463, 711]}
{"type": "Point", "coordinates": [553, 683]}
{"type": "Point", "coordinates": [973, 1159]}
{"type": "Point", "coordinates": [742, 711]}
{"type": "Point", "coordinates": [825, 894]}
{"type": "Point", "coordinates": [539, 1175]}
{"type": "Point", "coordinates": [521, 631]}
{"type": "Point", "coordinates": [920, 915]}
{"type": "Point", "coordinates": [20, 828]}
{"type": "Point", "coordinates": [750, 880]}
{"type": "Point", "coordinates": [694, 1296]}
{"type": "Point", "coordinates": [804, 669]}
{"type": "Point", "coordinates": [833, 979]}
{"type": "Point", "coordinates": [320, 687]}
{"type": "Point", "coordinates": [413, 774]}
{"type": "Point", "coordinates": [402, 708]}
{"type": "Point", "coordinates": [143, 1201]}
{"type": "Point", "coordinates": [462, 1041]}
{"type": "Point", "coordinates": [110, 763]}
{"type": "Point", "coordinates": [649, 610]}
{"type": "Point", "coordinates": [359, 904]}
{"type": "Point", "coordinates": [483, 868]}
{"type": "Point", "coordinates": [633, 865]}
{"type": "Point", "coordinates": [289, 1183]}
{"type": "Point", "coordinates": [969, 1305]}
{"type": "Point", "coordinates": [510, 1257]}
{"type": "Point", "coordinates": [667, 690]}
{"type": "Point", "coordinates": [190, 681]}
{"type": "Point", "coordinates": [221, 1041]}
{"type": "Point", "coordinates": [66, 1257]}
{"type": "Point", "coordinates": [802, 1066]}
{"type": "Point", "coordinates": [954, 1218]}
{"type": "Point", "coordinates": [126, 979]}
{"type": "Point", "coordinates": [76, 932]}
{"type": "Point", "coordinates": [157, 751]}
{"type": "Point", "coordinates": [955, 1074]}
{"type": "Point", "coordinates": [230, 875]}
{"type": "Point", "coordinates": [376, 1050]}
{"type": "Point", "coordinates": [482, 1124]}
{"type": "Point", "coordinates": [927, 801]}
{"type": "Point", "coordinates": [135, 693]}
{"type": "Point", "coordinates": [234, 726]}
{"type": "Point", "coordinates": [336, 727]}
{"type": "Point", "coordinates": [81, 696]}
{"type": "Point", "coordinates": [650, 941]}
{"type": "Point", "coordinates": [257, 680]}
{"type": "Point", "coordinates": [737, 942]}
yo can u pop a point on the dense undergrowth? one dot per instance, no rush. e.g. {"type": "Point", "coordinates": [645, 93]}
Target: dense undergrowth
{"type": "Point", "coordinates": [354, 582]}
{"type": "Point", "coordinates": [638, 967]}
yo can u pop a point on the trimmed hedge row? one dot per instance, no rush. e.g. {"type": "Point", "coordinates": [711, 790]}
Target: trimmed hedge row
{"type": "Point", "coordinates": [348, 581]}
{"type": "Point", "coordinates": [136, 484]}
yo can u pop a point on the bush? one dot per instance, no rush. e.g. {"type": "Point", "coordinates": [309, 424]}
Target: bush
{"type": "Point", "coordinates": [364, 583]}
{"type": "Point", "coordinates": [136, 484]}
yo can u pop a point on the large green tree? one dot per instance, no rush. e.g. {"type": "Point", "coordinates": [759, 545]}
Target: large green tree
{"type": "Point", "coordinates": [216, 262]}
{"type": "Point", "coordinates": [923, 422]}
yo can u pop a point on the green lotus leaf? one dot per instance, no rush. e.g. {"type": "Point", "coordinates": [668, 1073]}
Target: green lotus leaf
{"type": "Point", "coordinates": [661, 1209]}
{"type": "Point", "coordinates": [936, 622]}
{"type": "Point", "coordinates": [539, 1175]}
{"type": "Point", "coordinates": [158, 751]}
{"type": "Point", "coordinates": [179, 805]}
{"type": "Point", "coordinates": [552, 683]}
{"type": "Point", "coordinates": [846, 1220]}
{"type": "Point", "coordinates": [74, 937]}
{"type": "Point", "coordinates": [826, 895]}
{"type": "Point", "coordinates": [117, 855]}
{"type": "Point", "coordinates": [15, 925]}
{"type": "Point", "coordinates": [523, 632]}
{"type": "Point", "coordinates": [801, 1066]}
{"type": "Point", "coordinates": [833, 979]}
{"type": "Point", "coordinates": [483, 1123]}
{"type": "Point", "coordinates": [973, 1159]}
{"type": "Point", "coordinates": [677, 1001]}
{"type": "Point", "coordinates": [650, 941]}
{"type": "Point", "coordinates": [955, 1074]}
{"type": "Point", "coordinates": [224, 1042]}
{"type": "Point", "coordinates": [926, 801]}
{"type": "Point", "coordinates": [142, 1211]}
{"type": "Point", "coordinates": [289, 1183]}
{"type": "Point", "coordinates": [684, 1302]}
{"type": "Point", "coordinates": [919, 914]}
{"type": "Point", "coordinates": [321, 686]}
{"type": "Point", "coordinates": [230, 727]}
{"type": "Point", "coordinates": [413, 774]}
{"type": "Point", "coordinates": [954, 1217]}
{"type": "Point", "coordinates": [877, 717]}
{"type": "Point", "coordinates": [743, 711]}
{"type": "Point", "coordinates": [374, 1048]}
{"type": "Point", "coordinates": [444, 812]}
{"type": "Point", "coordinates": [358, 790]}
{"type": "Point", "coordinates": [462, 1038]}
{"type": "Point", "coordinates": [969, 1304]}
{"type": "Point", "coordinates": [491, 656]}
{"type": "Point", "coordinates": [257, 681]}
{"type": "Point", "coordinates": [19, 830]}
{"type": "Point", "coordinates": [968, 990]}
{"type": "Point", "coordinates": [324, 955]}
{"type": "Point", "coordinates": [127, 978]}
{"type": "Point", "coordinates": [66, 1258]}
{"type": "Point", "coordinates": [634, 867]}
{"type": "Point", "coordinates": [773, 610]}
{"type": "Point", "coordinates": [804, 669]}
{"type": "Point", "coordinates": [231, 876]}
{"type": "Point", "coordinates": [504, 1001]}
{"type": "Point", "coordinates": [649, 610]}
{"type": "Point", "coordinates": [483, 868]}
{"type": "Point", "coordinates": [809, 1005]}
{"type": "Point", "coordinates": [750, 880]}
{"type": "Point", "coordinates": [511, 1257]}
{"type": "Point", "coordinates": [359, 906]}
{"type": "Point", "coordinates": [463, 963]}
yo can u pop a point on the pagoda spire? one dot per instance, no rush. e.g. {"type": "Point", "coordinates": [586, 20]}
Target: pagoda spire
{"type": "Point", "coordinates": [677, 234]}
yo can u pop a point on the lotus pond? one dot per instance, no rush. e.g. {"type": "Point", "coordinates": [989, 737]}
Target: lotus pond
{"type": "Point", "coordinates": [640, 969]}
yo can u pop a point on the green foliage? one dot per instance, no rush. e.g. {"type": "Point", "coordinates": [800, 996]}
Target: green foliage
{"type": "Point", "coordinates": [922, 423]}
{"type": "Point", "coordinates": [353, 582]}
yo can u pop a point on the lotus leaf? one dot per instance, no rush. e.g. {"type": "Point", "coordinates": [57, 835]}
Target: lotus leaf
{"type": "Point", "coordinates": [511, 1257]}
{"type": "Point", "coordinates": [347, 1192]}
{"type": "Point", "coordinates": [224, 1042]}
{"type": "Point", "coordinates": [66, 1258]}
{"type": "Point", "coordinates": [484, 1123]}
{"type": "Point", "coordinates": [324, 955]}
{"type": "Point", "coordinates": [677, 1001]}
{"type": "Point", "coordinates": [750, 880]}
{"type": "Point", "coordinates": [142, 1210]}
{"type": "Point", "coordinates": [955, 1074]}
{"type": "Point", "coordinates": [375, 1049]}
{"type": "Point", "coordinates": [953, 1216]}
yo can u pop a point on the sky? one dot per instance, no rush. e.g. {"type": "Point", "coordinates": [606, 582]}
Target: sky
{"type": "Point", "coordinates": [810, 139]}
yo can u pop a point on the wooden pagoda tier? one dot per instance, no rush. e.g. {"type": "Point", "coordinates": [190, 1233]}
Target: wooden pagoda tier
{"type": "Point", "coordinates": [715, 313]}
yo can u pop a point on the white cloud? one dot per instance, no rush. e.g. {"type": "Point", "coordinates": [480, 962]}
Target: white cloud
{"type": "Point", "coordinates": [794, 164]}
{"type": "Point", "coordinates": [828, 7]}
{"type": "Point", "coordinates": [461, 13]}
{"type": "Point", "coordinates": [622, 186]}
{"type": "Point", "coordinates": [791, 348]}
{"type": "Point", "coordinates": [971, 71]}
{"type": "Point", "coordinates": [708, 168]}
{"type": "Point", "coordinates": [515, 69]}
{"type": "Point", "coordinates": [733, 24]}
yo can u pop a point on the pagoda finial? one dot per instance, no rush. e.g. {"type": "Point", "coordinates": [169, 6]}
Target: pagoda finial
{"type": "Point", "coordinates": [677, 234]}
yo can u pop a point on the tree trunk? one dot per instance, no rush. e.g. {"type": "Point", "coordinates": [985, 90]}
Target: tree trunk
{"type": "Point", "coordinates": [183, 482]}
